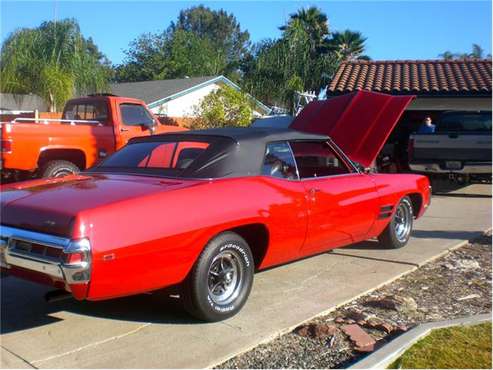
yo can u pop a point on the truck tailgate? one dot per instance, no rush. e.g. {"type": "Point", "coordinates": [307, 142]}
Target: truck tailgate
{"type": "Point", "coordinates": [463, 147]}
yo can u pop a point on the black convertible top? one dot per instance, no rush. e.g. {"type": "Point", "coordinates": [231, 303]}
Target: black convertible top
{"type": "Point", "coordinates": [259, 135]}
{"type": "Point", "coordinates": [232, 152]}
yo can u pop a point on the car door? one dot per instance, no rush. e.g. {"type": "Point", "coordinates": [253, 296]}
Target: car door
{"type": "Point", "coordinates": [135, 121]}
{"type": "Point", "coordinates": [342, 202]}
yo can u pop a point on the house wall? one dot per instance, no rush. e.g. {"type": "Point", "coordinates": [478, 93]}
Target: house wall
{"type": "Point", "coordinates": [451, 103]}
{"type": "Point", "coordinates": [183, 106]}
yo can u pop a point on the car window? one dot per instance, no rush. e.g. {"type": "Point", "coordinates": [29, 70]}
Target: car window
{"type": "Point", "coordinates": [279, 161]}
{"type": "Point", "coordinates": [473, 122]}
{"type": "Point", "coordinates": [89, 111]}
{"type": "Point", "coordinates": [174, 156]}
{"type": "Point", "coordinates": [317, 159]}
{"type": "Point", "coordinates": [135, 115]}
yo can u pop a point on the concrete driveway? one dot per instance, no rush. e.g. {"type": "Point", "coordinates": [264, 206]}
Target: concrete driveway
{"type": "Point", "coordinates": [151, 331]}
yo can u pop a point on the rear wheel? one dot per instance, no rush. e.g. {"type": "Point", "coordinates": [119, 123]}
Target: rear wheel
{"type": "Point", "coordinates": [58, 168]}
{"type": "Point", "coordinates": [398, 231]}
{"type": "Point", "coordinates": [221, 279]}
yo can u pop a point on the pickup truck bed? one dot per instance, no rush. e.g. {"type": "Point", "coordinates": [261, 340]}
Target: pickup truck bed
{"type": "Point", "coordinates": [92, 128]}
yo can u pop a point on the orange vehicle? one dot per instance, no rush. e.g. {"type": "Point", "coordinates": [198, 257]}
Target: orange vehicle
{"type": "Point", "coordinates": [91, 128]}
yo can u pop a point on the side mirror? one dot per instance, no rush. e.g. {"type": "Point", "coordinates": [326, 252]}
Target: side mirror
{"type": "Point", "coordinates": [151, 127]}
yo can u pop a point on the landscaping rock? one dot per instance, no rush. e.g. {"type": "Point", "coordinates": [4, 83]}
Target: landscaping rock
{"type": "Point", "coordinates": [317, 331]}
{"type": "Point", "coordinates": [363, 342]}
{"type": "Point", "coordinates": [440, 301]}
{"type": "Point", "coordinates": [355, 315]}
{"type": "Point", "coordinates": [470, 296]}
{"type": "Point", "coordinates": [397, 303]}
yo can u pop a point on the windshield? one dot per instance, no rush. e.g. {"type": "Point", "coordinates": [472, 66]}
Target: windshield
{"type": "Point", "coordinates": [172, 157]}
{"type": "Point", "coordinates": [465, 121]}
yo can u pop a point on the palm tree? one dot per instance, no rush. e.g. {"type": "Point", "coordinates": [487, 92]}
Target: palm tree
{"type": "Point", "coordinates": [312, 21]}
{"type": "Point", "coordinates": [477, 51]}
{"type": "Point", "coordinates": [447, 55]}
{"type": "Point", "coordinates": [347, 45]}
{"type": "Point", "coordinates": [53, 61]}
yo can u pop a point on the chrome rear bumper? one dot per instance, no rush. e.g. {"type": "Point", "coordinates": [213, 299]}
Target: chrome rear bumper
{"type": "Point", "coordinates": [17, 249]}
{"type": "Point", "coordinates": [466, 168]}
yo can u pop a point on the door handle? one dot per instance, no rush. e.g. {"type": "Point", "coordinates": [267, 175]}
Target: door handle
{"type": "Point", "coordinates": [123, 129]}
{"type": "Point", "coordinates": [313, 191]}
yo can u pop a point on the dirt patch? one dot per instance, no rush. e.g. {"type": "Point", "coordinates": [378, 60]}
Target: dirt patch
{"type": "Point", "coordinates": [456, 285]}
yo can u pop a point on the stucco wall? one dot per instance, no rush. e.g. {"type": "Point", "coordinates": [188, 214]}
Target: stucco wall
{"type": "Point", "coordinates": [183, 106]}
{"type": "Point", "coordinates": [451, 103]}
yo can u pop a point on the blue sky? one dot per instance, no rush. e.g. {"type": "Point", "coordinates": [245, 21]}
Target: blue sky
{"type": "Point", "coordinates": [395, 29]}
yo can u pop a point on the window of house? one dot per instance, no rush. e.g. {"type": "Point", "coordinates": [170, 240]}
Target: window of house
{"type": "Point", "coordinates": [135, 115]}
{"type": "Point", "coordinates": [279, 161]}
{"type": "Point", "coordinates": [317, 159]}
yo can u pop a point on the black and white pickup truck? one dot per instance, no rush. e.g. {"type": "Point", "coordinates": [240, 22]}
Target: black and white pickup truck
{"type": "Point", "coordinates": [460, 148]}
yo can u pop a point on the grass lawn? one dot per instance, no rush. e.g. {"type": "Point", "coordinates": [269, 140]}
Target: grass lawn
{"type": "Point", "coordinates": [460, 347]}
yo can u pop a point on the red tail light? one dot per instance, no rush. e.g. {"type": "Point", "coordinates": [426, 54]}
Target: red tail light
{"type": "Point", "coordinates": [73, 258]}
{"type": "Point", "coordinates": [6, 146]}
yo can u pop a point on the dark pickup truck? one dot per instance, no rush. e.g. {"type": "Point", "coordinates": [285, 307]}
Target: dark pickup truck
{"type": "Point", "coordinates": [460, 148]}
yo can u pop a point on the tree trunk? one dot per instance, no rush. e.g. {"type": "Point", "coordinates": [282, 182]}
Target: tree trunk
{"type": "Point", "coordinates": [52, 103]}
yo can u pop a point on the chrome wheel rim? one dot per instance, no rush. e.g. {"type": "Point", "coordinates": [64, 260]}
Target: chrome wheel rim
{"type": "Point", "coordinates": [402, 222]}
{"type": "Point", "coordinates": [63, 172]}
{"type": "Point", "coordinates": [225, 277]}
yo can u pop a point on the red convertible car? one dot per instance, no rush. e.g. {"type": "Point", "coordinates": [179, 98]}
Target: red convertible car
{"type": "Point", "coordinates": [204, 209]}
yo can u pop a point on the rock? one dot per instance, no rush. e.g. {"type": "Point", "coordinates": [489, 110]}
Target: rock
{"type": "Point", "coordinates": [401, 328]}
{"type": "Point", "coordinates": [467, 264]}
{"type": "Point", "coordinates": [349, 321]}
{"type": "Point", "coordinates": [467, 297]}
{"type": "Point", "coordinates": [316, 331]}
{"type": "Point", "coordinates": [339, 320]}
{"type": "Point", "coordinates": [363, 342]}
{"type": "Point", "coordinates": [396, 303]}
{"type": "Point", "coordinates": [361, 322]}
{"type": "Point", "coordinates": [384, 303]}
{"type": "Point", "coordinates": [302, 331]}
{"type": "Point", "coordinates": [355, 315]}
{"type": "Point", "coordinates": [462, 264]}
{"type": "Point", "coordinates": [377, 324]}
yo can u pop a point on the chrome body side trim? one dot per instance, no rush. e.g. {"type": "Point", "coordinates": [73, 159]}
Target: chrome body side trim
{"type": "Point", "coordinates": [55, 267]}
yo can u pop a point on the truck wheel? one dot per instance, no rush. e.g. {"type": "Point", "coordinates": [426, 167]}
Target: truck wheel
{"type": "Point", "coordinates": [58, 169]}
{"type": "Point", "coordinates": [220, 282]}
{"type": "Point", "coordinates": [398, 231]}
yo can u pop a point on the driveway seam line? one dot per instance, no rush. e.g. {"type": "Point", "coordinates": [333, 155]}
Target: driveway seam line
{"type": "Point", "coordinates": [116, 337]}
{"type": "Point", "coordinates": [376, 259]}
{"type": "Point", "coordinates": [19, 357]}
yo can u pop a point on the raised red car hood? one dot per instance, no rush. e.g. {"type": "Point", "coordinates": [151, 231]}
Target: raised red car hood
{"type": "Point", "coordinates": [50, 205]}
{"type": "Point", "coordinates": [359, 123]}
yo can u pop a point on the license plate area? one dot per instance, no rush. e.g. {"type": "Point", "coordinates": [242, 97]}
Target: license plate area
{"type": "Point", "coordinates": [453, 165]}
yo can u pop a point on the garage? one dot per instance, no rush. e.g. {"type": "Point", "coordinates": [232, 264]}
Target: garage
{"type": "Point", "coordinates": [438, 85]}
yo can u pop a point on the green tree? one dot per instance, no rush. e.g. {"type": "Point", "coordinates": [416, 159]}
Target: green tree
{"type": "Point", "coordinates": [311, 22]}
{"type": "Point", "coordinates": [201, 42]}
{"type": "Point", "coordinates": [220, 28]}
{"type": "Point", "coordinates": [54, 61]}
{"type": "Point", "coordinates": [477, 52]}
{"type": "Point", "coordinates": [224, 107]}
{"type": "Point", "coordinates": [298, 61]}
{"type": "Point", "coordinates": [347, 45]}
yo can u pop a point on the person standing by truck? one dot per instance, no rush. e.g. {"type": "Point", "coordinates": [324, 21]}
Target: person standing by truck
{"type": "Point", "coordinates": [427, 127]}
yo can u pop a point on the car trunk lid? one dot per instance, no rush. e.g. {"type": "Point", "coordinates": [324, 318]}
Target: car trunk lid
{"type": "Point", "coordinates": [37, 205]}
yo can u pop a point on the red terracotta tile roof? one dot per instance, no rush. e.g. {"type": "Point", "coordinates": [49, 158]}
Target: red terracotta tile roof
{"type": "Point", "coordinates": [418, 77]}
